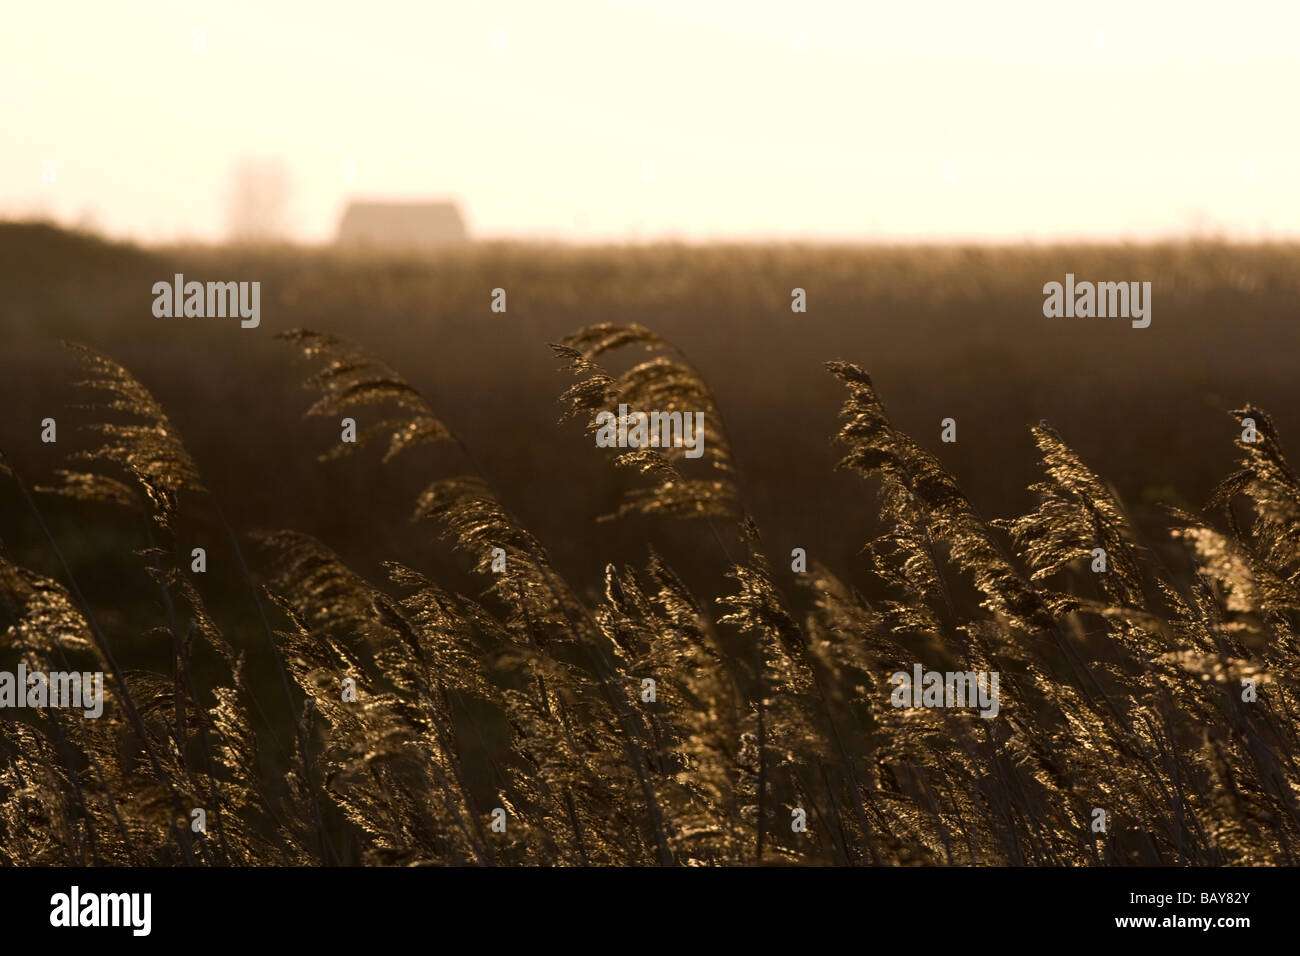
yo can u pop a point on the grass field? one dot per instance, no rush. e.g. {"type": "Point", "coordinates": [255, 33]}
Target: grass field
{"type": "Point", "coordinates": [770, 700]}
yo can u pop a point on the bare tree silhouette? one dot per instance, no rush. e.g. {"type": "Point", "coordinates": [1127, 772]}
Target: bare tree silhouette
{"type": "Point", "coordinates": [257, 201]}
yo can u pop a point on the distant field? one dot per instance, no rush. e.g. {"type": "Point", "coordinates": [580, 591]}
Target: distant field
{"type": "Point", "coordinates": [944, 332]}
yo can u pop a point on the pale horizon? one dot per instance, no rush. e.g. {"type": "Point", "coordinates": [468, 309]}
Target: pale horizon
{"type": "Point", "coordinates": [664, 121]}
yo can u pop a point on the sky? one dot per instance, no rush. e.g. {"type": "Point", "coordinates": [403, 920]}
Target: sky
{"type": "Point", "coordinates": [646, 120]}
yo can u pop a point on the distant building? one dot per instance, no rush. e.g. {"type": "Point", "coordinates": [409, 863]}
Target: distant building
{"type": "Point", "coordinates": [402, 224]}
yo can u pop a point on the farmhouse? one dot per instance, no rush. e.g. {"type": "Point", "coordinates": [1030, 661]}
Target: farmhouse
{"type": "Point", "coordinates": [402, 224]}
